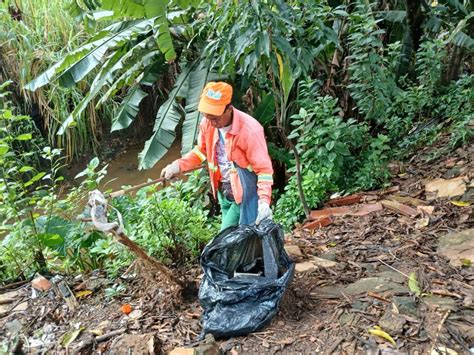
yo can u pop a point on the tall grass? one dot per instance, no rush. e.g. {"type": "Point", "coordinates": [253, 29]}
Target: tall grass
{"type": "Point", "coordinates": [41, 32]}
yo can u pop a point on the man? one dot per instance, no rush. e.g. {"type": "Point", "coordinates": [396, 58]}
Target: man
{"type": "Point", "coordinates": [234, 146]}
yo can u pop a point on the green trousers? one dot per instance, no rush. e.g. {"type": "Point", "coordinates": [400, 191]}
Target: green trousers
{"type": "Point", "coordinates": [230, 212]}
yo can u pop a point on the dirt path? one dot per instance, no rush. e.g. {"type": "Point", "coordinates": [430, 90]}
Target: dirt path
{"type": "Point", "coordinates": [353, 276]}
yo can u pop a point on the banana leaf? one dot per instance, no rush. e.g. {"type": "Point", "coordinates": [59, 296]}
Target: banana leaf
{"type": "Point", "coordinates": [265, 110]}
{"type": "Point", "coordinates": [124, 8]}
{"type": "Point", "coordinates": [461, 39]}
{"type": "Point", "coordinates": [163, 39]}
{"type": "Point", "coordinates": [167, 118]}
{"type": "Point", "coordinates": [125, 79]}
{"type": "Point", "coordinates": [196, 82]}
{"type": "Point", "coordinates": [76, 65]}
{"type": "Point", "coordinates": [128, 109]}
{"type": "Point", "coordinates": [129, 75]}
{"type": "Point", "coordinates": [150, 9]}
{"type": "Point", "coordinates": [104, 77]}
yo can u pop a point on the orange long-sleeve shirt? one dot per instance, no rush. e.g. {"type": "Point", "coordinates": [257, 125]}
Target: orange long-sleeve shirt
{"type": "Point", "coordinates": [245, 145]}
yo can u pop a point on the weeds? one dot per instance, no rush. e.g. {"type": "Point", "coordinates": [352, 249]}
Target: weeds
{"type": "Point", "coordinates": [38, 36]}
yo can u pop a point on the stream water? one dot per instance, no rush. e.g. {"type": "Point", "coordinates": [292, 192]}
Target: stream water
{"type": "Point", "coordinates": [123, 170]}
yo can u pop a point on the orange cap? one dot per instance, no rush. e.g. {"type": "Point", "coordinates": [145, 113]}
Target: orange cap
{"type": "Point", "coordinates": [215, 97]}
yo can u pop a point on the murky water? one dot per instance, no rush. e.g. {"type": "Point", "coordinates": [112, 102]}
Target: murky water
{"type": "Point", "coordinates": [123, 170]}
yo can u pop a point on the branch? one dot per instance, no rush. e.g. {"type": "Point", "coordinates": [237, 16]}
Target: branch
{"type": "Point", "coordinates": [299, 179]}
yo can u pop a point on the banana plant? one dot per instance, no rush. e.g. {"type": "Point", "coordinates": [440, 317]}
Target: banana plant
{"type": "Point", "coordinates": [134, 51]}
{"type": "Point", "coordinates": [431, 18]}
{"type": "Point", "coordinates": [188, 87]}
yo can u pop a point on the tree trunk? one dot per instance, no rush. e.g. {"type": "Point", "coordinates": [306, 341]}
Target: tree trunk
{"type": "Point", "coordinates": [415, 19]}
{"type": "Point", "coordinates": [453, 67]}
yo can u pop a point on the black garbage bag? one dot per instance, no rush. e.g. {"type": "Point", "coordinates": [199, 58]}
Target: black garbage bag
{"type": "Point", "coordinates": [246, 271]}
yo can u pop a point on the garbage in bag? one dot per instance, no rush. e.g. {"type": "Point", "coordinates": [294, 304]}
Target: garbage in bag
{"type": "Point", "coordinates": [246, 271]}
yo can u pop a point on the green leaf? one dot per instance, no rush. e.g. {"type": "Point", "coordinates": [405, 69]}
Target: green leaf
{"type": "Point", "coordinates": [461, 39]}
{"type": "Point", "coordinates": [330, 145]}
{"type": "Point", "coordinates": [51, 240]}
{"type": "Point", "coordinates": [53, 232]}
{"type": "Point", "coordinates": [7, 114]}
{"type": "Point", "coordinates": [34, 179]}
{"type": "Point", "coordinates": [105, 77]}
{"type": "Point", "coordinates": [24, 137]}
{"type": "Point", "coordinates": [76, 65]}
{"type": "Point", "coordinates": [128, 109]}
{"type": "Point", "coordinates": [413, 284]}
{"type": "Point", "coordinates": [129, 75]}
{"type": "Point", "coordinates": [196, 81]}
{"type": "Point", "coordinates": [24, 169]}
{"type": "Point", "coordinates": [459, 6]}
{"type": "Point", "coordinates": [126, 78]}
{"type": "Point", "coordinates": [155, 8]}
{"type": "Point", "coordinates": [4, 148]}
{"type": "Point", "coordinates": [286, 77]}
{"type": "Point", "coordinates": [167, 118]}
{"type": "Point", "coordinates": [340, 12]}
{"type": "Point", "coordinates": [163, 39]}
{"type": "Point", "coordinates": [303, 113]}
{"type": "Point", "coordinates": [70, 336]}
{"type": "Point", "coordinates": [265, 110]}
{"type": "Point", "coordinates": [125, 8]}
{"type": "Point", "coordinates": [266, 44]}
{"type": "Point", "coordinates": [94, 163]}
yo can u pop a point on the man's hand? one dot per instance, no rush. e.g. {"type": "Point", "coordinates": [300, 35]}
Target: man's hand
{"type": "Point", "coordinates": [264, 211]}
{"type": "Point", "coordinates": [170, 170]}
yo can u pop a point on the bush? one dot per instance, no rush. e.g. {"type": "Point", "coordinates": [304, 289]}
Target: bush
{"type": "Point", "coordinates": [335, 155]}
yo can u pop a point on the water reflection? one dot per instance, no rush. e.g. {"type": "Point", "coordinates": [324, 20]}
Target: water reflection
{"type": "Point", "coordinates": [123, 170]}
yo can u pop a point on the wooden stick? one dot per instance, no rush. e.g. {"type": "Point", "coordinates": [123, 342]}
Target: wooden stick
{"type": "Point", "coordinates": [109, 335]}
{"type": "Point", "coordinates": [85, 343]}
{"type": "Point", "coordinates": [12, 307]}
{"type": "Point", "coordinates": [334, 346]}
{"type": "Point", "coordinates": [136, 187]}
{"type": "Point", "coordinates": [13, 285]}
{"type": "Point", "coordinates": [377, 296]}
{"type": "Point", "coordinates": [391, 267]}
{"type": "Point", "coordinates": [139, 186]}
{"type": "Point", "coordinates": [438, 330]}
{"type": "Point", "coordinates": [7, 301]}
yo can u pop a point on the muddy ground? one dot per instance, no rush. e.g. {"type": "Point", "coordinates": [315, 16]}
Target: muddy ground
{"type": "Point", "coordinates": [352, 277]}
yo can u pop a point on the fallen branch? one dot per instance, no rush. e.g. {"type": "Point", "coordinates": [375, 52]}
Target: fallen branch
{"type": "Point", "coordinates": [438, 329]}
{"type": "Point", "coordinates": [88, 342]}
{"type": "Point", "coordinates": [12, 307]}
{"type": "Point", "coordinates": [98, 205]}
{"type": "Point", "coordinates": [446, 293]}
{"type": "Point", "coordinates": [391, 267]}
{"type": "Point", "coordinates": [335, 345]}
{"type": "Point", "coordinates": [123, 239]}
{"type": "Point", "coordinates": [145, 184]}
{"type": "Point", "coordinates": [13, 285]}
{"type": "Point", "coordinates": [7, 300]}
{"type": "Point", "coordinates": [377, 296]}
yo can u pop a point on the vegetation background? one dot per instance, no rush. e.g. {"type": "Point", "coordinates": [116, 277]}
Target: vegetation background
{"type": "Point", "coordinates": [341, 87]}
